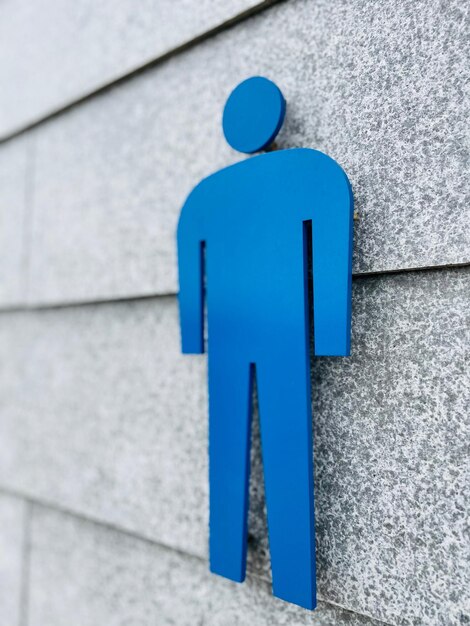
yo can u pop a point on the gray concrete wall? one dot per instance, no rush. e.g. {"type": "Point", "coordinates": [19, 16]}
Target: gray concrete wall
{"type": "Point", "coordinates": [103, 423]}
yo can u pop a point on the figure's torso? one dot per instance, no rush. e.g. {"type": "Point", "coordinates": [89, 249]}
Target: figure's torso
{"type": "Point", "coordinates": [254, 244]}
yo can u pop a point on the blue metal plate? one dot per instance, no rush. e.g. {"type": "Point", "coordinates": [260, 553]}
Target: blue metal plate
{"type": "Point", "coordinates": [245, 228]}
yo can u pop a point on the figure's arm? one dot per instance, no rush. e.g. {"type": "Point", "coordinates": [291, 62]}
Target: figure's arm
{"type": "Point", "coordinates": [332, 234]}
{"type": "Point", "coordinates": [191, 279]}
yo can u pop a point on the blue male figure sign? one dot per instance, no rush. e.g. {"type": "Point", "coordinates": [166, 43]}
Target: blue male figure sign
{"type": "Point", "coordinates": [243, 237]}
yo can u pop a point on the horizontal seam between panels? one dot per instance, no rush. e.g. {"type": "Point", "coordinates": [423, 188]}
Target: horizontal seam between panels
{"type": "Point", "coordinates": [187, 45]}
{"type": "Point", "coordinates": [70, 304]}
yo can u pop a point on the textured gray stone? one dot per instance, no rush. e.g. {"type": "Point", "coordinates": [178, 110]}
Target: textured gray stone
{"type": "Point", "coordinates": [12, 514]}
{"type": "Point", "coordinates": [13, 186]}
{"type": "Point", "coordinates": [402, 467]}
{"type": "Point", "coordinates": [114, 427]}
{"type": "Point", "coordinates": [378, 85]}
{"type": "Point", "coordinates": [392, 426]}
{"type": "Point", "coordinates": [83, 574]}
{"type": "Point", "coordinates": [101, 414]}
{"type": "Point", "coordinates": [40, 71]}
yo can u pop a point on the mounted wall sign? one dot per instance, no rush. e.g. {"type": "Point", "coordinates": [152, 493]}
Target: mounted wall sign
{"type": "Point", "coordinates": [243, 240]}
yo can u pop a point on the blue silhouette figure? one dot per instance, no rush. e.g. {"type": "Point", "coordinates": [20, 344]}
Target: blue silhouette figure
{"type": "Point", "coordinates": [248, 228]}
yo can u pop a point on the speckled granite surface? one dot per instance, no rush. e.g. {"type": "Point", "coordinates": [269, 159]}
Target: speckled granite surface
{"type": "Point", "coordinates": [113, 424]}
{"type": "Point", "coordinates": [114, 427]}
{"type": "Point", "coordinates": [392, 428]}
{"type": "Point", "coordinates": [83, 575]}
{"type": "Point", "coordinates": [378, 85]}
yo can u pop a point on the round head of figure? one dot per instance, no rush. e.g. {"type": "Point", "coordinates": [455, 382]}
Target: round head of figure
{"type": "Point", "coordinates": [253, 115]}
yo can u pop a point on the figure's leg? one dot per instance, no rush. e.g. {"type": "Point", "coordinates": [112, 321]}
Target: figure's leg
{"type": "Point", "coordinates": [229, 461]}
{"type": "Point", "coordinates": [283, 380]}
